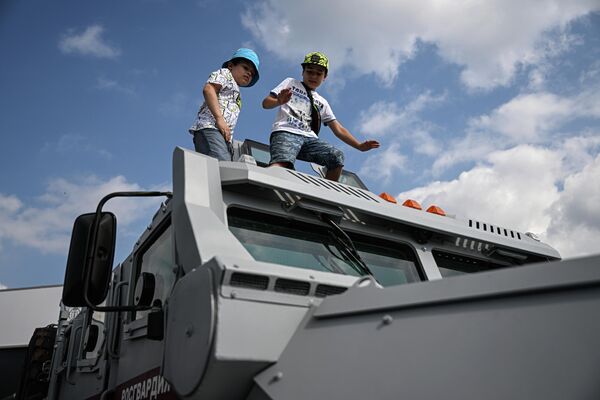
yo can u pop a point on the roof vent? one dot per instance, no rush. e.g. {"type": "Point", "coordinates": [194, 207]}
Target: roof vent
{"type": "Point", "coordinates": [334, 186]}
{"type": "Point", "coordinates": [482, 226]}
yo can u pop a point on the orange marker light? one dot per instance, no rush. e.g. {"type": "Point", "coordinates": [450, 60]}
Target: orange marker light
{"type": "Point", "coordinates": [436, 210]}
{"type": "Point", "coordinates": [412, 204]}
{"type": "Point", "coordinates": [388, 197]}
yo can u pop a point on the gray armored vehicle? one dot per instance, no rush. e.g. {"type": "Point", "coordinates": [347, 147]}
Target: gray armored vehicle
{"type": "Point", "coordinates": [266, 283]}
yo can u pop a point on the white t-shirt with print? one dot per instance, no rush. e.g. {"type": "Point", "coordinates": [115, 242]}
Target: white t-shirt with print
{"type": "Point", "coordinates": [294, 116]}
{"type": "Point", "coordinates": [229, 98]}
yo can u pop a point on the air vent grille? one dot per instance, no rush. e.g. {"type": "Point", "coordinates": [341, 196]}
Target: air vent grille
{"type": "Point", "coordinates": [482, 226]}
{"type": "Point", "coordinates": [250, 281]}
{"type": "Point", "coordinates": [282, 285]}
{"type": "Point", "coordinates": [334, 186]}
{"type": "Point", "coordinates": [292, 287]}
{"type": "Point", "coordinates": [328, 290]}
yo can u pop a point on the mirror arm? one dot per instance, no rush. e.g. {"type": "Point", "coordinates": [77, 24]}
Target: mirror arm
{"type": "Point", "coordinates": [91, 249]}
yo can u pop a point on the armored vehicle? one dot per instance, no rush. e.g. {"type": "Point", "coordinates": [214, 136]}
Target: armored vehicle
{"type": "Point", "coordinates": [269, 283]}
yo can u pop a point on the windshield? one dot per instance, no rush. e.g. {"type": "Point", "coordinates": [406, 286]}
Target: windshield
{"type": "Point", "coordinates": [296, 244]}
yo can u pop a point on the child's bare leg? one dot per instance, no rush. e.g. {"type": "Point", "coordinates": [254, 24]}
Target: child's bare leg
{"type": "Point", "coordinates": [334, 174]}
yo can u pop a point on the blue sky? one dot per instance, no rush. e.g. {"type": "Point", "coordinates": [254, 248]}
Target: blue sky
{"type": "Point", "coordinates": [489, 109]}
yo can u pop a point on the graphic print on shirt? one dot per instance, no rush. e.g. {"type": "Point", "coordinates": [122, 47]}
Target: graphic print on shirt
{"type": "Point", "coordinates": [295, 115]}
{"type": "Point", "coordinates": [230, 102]}
{"type": "Point", "coordinates": [299, 115]}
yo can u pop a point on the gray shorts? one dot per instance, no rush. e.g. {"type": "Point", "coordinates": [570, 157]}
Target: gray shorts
{"type": "Point", "coordinates": [211, 142]}
{"type": "Point", "coordinates": [286, 147]}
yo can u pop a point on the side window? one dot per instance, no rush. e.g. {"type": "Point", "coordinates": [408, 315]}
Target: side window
{"type": "Point", "coordinates": [158, 260]}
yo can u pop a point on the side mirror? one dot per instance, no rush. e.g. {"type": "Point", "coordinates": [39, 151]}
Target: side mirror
{"type": "Point", "coordinates": [98, 268]}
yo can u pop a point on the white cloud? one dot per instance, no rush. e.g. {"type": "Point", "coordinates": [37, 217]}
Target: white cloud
{"type": "Point", "coordinates": [528, 118]}
{"type": "Point", "coordinates": [537, 79]}
{"type": "Point", "coordinates": [383, 164]}
{"type": "Point", "coordinates": [47, 226]}
{"type": "Point", "coordinates": [88, 43]}
{"type": "Point", "coordinates": [384, 118]}
{"type": "Point", "coordinates": [581, 151]}
{"type": "Point", "coordinates": [9, 204]}
{"type": "Point", "coordinates": [529, 188]}
{"type": "Point", "coordinates": [424, 142]}
{"type": "Point", "coordinates": [2, 286]}
{"type": "Point", "coordinates": [381, 118]}
{"type": "Point", "coordinates": [575, 226]}
{"type": "Point", "coordinates": [491, 39]}
{"type": "Point", "coordinates": [398, 123]}
{"type": "Point", "coordinates": [553, 46]}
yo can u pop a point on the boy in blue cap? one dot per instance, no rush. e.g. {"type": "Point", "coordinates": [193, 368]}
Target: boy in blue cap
{"type": "Point", "coordinates": [216, 119]}
{"type": "Point", "coordinates": [301, 110]}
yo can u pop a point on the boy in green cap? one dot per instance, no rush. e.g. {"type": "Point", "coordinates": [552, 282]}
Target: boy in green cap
{"type": "Point", "coordinates": [218, 115]}
{"type": "Point", "coordinates": [294, 134]}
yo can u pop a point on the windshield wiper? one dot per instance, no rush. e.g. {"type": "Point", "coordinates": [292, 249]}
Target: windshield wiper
{"type": "Point", "coordinates": [330, 265]}
{"type": "Point", "coordinates": [346, 248]}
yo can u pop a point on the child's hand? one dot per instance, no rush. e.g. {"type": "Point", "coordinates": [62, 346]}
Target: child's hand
{"type": "Point", "coordinates": [284, 96]}
{"type": "Point", "coordinates": [368, 145]}
{"type": "Point", "coordinates": [223, 128]}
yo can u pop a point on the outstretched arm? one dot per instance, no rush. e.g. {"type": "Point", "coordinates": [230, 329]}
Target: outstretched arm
{"type": "Point", "coordinates": [272, 101]}
{"type": "Point", "coordinates": [345, 136]}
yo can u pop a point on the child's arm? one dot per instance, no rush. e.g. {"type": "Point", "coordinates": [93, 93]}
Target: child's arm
{"type": "Point", "coordinates": [345, 136]}
{"type": "Point", "coordinates": [272, 101]}
{"type": "Point", "coordinates": [210, 92]}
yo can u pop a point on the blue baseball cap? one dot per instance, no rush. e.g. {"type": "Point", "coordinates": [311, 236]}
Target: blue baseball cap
{"type": "Point", "coordinates": [247, 54]}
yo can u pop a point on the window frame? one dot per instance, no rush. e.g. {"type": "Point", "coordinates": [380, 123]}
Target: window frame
{"type": "Point", "coordinates": [136, 327]}
{"type": "Point", "coordinates": [366, 238]}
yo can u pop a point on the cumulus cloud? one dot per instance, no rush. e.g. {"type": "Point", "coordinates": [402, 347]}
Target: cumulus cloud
{"type": "Point", "coordinates": [528, 188]}
{"type": "Point", "coordinates": [46, 226]}
{"type": "Point", "coordinates": [384, 164]}
{"type": "Point", "coordinates": [527, 118]}
{"type": "Point", "coordinates": [389, 120]}
{"type": "Point", "coordinates": [9, 205]}
{"type": "Point", "coordinates": [530, 118]}
{"type": "Point", "coordinates": [2, 286]}
{"type": "Point", "coordinates": [88, 43]}
{"type": "Point", "coordinates": [491, 40]}
{"type": "Point", "coordinates": [384, 118]}
{"type": "Point", "coordinates": [575, 225]}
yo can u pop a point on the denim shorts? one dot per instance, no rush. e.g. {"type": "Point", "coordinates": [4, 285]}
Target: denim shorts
{"type": "Point", "coordinates": [286, 147]}
{"type": "Point", "coordinates": [211, 142]}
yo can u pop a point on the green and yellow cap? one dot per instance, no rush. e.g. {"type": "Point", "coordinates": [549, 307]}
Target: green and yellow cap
{"type": "Point", "coordinates": [316, 58]}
